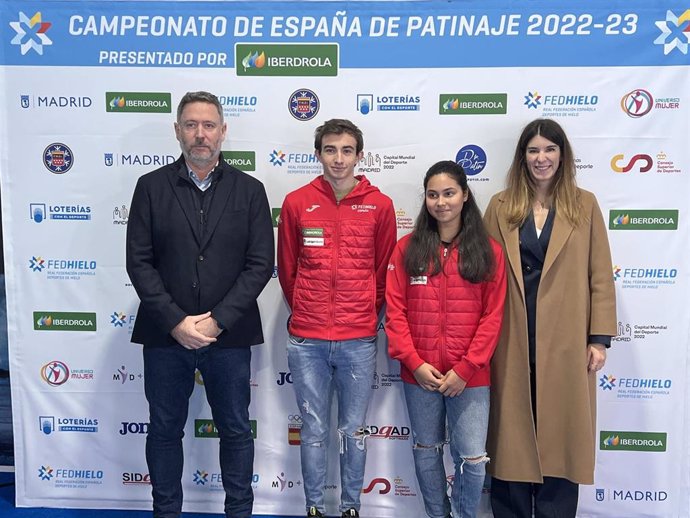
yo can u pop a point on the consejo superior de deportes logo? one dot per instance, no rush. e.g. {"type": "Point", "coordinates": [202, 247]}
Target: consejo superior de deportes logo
{"type": "Point", "coordinates": [30, 33]}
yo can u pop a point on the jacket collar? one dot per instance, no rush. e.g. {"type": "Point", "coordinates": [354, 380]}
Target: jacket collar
{"type": "Point", "coordinates": [511, 237]}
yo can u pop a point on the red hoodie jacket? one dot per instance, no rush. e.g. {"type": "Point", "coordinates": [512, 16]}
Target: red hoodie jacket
{"type": "Point", "coordinates": [443, 319]}
{"type": "Point", "coordinates": [332, 259]}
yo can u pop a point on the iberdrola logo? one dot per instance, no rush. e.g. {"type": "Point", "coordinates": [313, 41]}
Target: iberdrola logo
{"type": "Point", "coordinates": [451, 104]}
{"type": "Point", "coordinates": [254, 60]}
{"type": "Point", "coordinates": [117, 102]}
{"type": "Point", "coordinates": [611, 440]}
{"type": "Point", "coordinates": [621, 219]}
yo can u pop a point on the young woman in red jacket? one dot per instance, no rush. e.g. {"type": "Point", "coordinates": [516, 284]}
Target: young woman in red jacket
{"type": "Point", "coordinates": [445, 292]}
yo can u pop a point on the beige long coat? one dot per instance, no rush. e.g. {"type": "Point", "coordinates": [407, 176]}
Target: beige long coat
{"type": "Point", "coordinates": [576, 298]}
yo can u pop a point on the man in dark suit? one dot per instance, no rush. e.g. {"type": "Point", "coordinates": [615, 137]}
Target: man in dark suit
{"type": "Point", "coordinates": [199, 253]}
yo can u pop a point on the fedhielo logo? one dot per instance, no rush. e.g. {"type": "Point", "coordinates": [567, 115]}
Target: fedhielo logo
{"type": "Point", "coordinates": [72, 478]}
{"type": "Point", "coordinates": [562, 105]}
{"type": "Point", "coordinates": [532, 99]}
{"type": "Point", "coordinates": [644, 277]}
{"type": "Point", "coordinates": [297, 163]}
{"type": "Point", "coordinates": [636, 388]}
{"type": "Point", "coordinates": [63, 269]}
{"type": "Point", "coordinates": [37, 263]}
{"type": "Point", "coordinates": [200, 477]}
{"type": "Point", "coordinates": [673, 30]}
{"type": "Point", "coordinates": [472, 159]}
{"type": "Point", "coordinates": [39, 212]}
{"type": "Point", "coordinates": [303, 104]}
{"type": "Point", "coordinates": [637, 103]}
{"type": "Point", "coordinates": [120, 319]}
{"type": "Point", "coordinates": [277, 157]}
{"type": "Point", "coordinates": [607, 382]}
{"type": "Point", "coordinates": [237, 105]}
{"type": "Point", "coordinates": [646, 163]}
{"type": "Point", "coordinates": [55, 373]}
{"type": "Point", "coordinates": [58, 158]}
{"type": "Point", "coordinates": [45, 472]}
{"type": "Point", "coordinates": [31, 33]}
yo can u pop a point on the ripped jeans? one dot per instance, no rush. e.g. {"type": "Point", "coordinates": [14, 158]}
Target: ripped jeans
{"type": "Point", "coordinates": [318, 367]}
{"type": "Point", "coordinates": [468, 418]}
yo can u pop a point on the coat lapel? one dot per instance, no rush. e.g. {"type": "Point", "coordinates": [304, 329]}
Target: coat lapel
{"type": "Point", "coordinates": [559, 236]}
{"type": "Point", "coordinates": [223, 189]}
{"type": "Point", "coordinates": [511, 238]}
{"type": "Point", "coordinates": [178, 179]}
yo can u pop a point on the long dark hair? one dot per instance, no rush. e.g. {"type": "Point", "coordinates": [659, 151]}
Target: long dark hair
{"type": "Point", "coordinates": [475, 256]}
{"type": "Point", "coordinates": [521, 186]}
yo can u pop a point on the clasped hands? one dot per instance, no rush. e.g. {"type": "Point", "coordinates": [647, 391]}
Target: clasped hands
{"type": "Point", "coordinates": [196, 331]}
{"type": "Point", "coordinates": [430, 378]}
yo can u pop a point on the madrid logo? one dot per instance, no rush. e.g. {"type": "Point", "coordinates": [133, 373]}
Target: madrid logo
{"type": "Point", "coordinates": [303, 104]}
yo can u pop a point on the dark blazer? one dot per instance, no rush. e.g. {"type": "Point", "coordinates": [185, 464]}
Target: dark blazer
{"type": "Point", "coordinates": [178, 270]}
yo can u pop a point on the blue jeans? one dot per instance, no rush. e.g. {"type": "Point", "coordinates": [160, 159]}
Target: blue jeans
{"type": "Point", "coordinates": [468, 419]}
{"type": "Point", "coordinates": [318, 367]}
{"type": "Point", "coordinates": [168, 384]}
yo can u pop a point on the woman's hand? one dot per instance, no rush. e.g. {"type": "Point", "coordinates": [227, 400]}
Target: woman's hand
{"type": "Point", "coordinates": [428, 377]}
{"type": "Point", "coordinates": [596, 357]}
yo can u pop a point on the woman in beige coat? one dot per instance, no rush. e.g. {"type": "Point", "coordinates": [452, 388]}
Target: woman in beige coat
{"type": "Point", "coordinates": [559, 319]}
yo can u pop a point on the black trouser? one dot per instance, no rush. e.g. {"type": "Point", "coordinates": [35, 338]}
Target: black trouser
{"type": "Point", "coordinates": [555, 498]}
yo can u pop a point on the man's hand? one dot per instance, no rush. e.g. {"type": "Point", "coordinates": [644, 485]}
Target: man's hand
{"type": "Point", "coordinates": [187, 334]}
{"type": "Point", "coordinates": [209, 327]}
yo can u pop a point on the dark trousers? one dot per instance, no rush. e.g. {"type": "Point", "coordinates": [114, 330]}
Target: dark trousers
{"type": "Point", "coordinates": [555, 498]}
{"type": "Point", "coordinates": [168, 385]}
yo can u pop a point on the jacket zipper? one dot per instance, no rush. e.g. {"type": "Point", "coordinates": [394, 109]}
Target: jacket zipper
{"type": "Point", "coordinates": [334, 267]}
{"type": "Point", "coordinates": [442, 307]}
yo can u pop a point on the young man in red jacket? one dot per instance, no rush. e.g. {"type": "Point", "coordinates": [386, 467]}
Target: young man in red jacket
{"type": "Point", "coordinates": [334, 240]}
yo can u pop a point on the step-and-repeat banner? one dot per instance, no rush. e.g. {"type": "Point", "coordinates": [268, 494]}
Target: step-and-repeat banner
{"type": "Point", "coordinates": [89, 91]}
